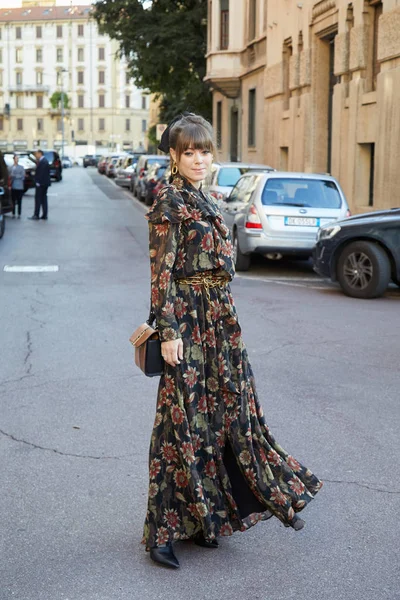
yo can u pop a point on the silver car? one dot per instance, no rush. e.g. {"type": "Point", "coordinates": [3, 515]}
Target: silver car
{"type": "Point", "coordinates": [223, 177]}
{"type": "Point", "coordinates": [278, 214]}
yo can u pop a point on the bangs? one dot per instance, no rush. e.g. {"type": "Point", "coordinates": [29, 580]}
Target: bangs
{"type": "Point", "coordinates": [196, 136]}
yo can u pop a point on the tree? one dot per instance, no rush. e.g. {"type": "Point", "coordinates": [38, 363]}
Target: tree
{"type": "Point", "coordinates": [55, 100]}
{"type": "Point", "coordinates": [165, 43]}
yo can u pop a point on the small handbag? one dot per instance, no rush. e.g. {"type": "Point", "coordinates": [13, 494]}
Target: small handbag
{"type": "Point", "coordinates": [147, 344]}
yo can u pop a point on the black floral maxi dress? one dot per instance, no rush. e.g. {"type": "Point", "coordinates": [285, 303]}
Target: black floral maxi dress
{"type": "Point", "coordinates": [215, 468]}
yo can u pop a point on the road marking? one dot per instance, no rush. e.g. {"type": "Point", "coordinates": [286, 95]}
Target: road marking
{"type": "Point", "coordinates": [30, 268]}
{"type": "Point", "coordinates": [291, 281]}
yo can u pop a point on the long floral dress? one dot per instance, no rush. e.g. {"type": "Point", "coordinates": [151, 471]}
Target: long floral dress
{"type": "Point", "coordinates": [214, 468]}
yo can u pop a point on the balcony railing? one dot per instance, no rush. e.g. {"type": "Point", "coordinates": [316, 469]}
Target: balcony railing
{"type": "Point", "coordinates": [29, 88]}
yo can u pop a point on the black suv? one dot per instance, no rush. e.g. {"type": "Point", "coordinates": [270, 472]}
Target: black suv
{"type": "Point", "coordinates": [91, 160]}
{"type": "Point", "coordinates": [53, 158]}
{"type": "Point", "coordinates": [362, 253]}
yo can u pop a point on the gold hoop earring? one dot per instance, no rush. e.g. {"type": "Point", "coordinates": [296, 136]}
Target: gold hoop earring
{"type": "Point", "coordinates": [174, 169]}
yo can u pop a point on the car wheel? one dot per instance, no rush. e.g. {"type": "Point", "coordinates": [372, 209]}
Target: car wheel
{"type": "Point", "coordinates": [242, 261]}
{"type": "Point", "coordinates": [363, 270]}
{"type": "Point", "coordinates": [2, 224]}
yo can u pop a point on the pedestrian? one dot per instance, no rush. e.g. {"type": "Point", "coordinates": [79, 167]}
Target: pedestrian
{"type": "Point", "coordinates": [42, 181]}
{"type": "Point", "coordinates": [215, 468]}
{"type": "Point", "coordinates": [17, 177]}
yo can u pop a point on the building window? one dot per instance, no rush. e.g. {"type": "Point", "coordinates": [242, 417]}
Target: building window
{"type": "Point", "coordinates": [20, 124]}
{"type": "Point", "coordinates": [81, 101]}
{"type": "Point", "coordinates": [39, 55]}
{"type": "Point", "coordinates": [144, 125]}
{"type": "Point", "coordinates": [59, 31]}
{"type": "Point", "coordinates": [1, 83]}
{"type": "Point", "coordinates": [284, 158]}
{"type": "Point", "coordinates": [59, 78]}
{"type": "Point", "coordinates": [18, 55]}
{"type": "Point", "coordinates": [252, 118]}
{"type": "Point", "coordinates": [80, 78]}
{"type": "Point", "coordinates": [127, 78]}
{"type": "Point", "coordinates": [127, 124]}
{"type": "Point", "coordinates": [39, 77]}
{"type": "Point", "coordinates": [219, 124]}
{"type": "Point", "coordinates": [59, 55]}
{"type": "Point", "coordinates": [144, 102]}
{"type": "Point", "coordinates": [59, 124]}
{"type": "Point", "coordinates": [377, 9]}
{"type": "Point", "coordinates": [80, 124]}
{"type": "Point", "coordinates": [81, 54]}
{"type": "Point", "coordinates": [39, 101]}
{"type": "Point", "coordinates": [102, 77]}
{"type": "Point", "coordinates": [1, 55]}
{"type": "Point", "coordinates": [19, 101]}
{"type": "Point", "coordinates": [18, 78]}
{"type": "Point", "coordinates": [127, 101]}
{"type": "Point", "coordinates": [38, 31]}
{"type": "Point", "coordinates": [102, 124]}
{"type": "Point", "coordinates": [39, 124]}
{"type": "Point", "coordinates": [80, 30]}
{"type": "Point", "coordinates": [252, 19]}
{"type": "Point", "coordinates": [101, 101]}
{"type": "Point", "coordinates": [224, 25]}
{"type": "Point", "coordinates": [286, 56]}
{"type": "Point", "coordinates": [18, 34]}
{"type": "Point", "coordinates": [102, 53]}
{"type": "Point", "coordinates": [1, 123]}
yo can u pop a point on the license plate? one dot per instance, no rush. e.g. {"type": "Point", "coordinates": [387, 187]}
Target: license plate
{"type": "Point", "coordinates": [302, 221]}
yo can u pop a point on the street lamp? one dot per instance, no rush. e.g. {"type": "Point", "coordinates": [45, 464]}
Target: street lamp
{"type": "Point", "coordinates": [62, 71]}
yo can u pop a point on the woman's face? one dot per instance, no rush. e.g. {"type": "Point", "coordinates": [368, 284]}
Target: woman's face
{"type": "Point", "coordinates": [193, 164]}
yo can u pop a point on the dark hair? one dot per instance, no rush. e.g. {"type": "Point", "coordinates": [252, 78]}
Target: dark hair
{"type": "Point", "coordinates": [191, 131]}
{"type": "Point", "coordinates": [39, 150]}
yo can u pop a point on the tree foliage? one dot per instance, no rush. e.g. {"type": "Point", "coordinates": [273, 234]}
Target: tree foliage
{"type": "Point", "coordinates": [55, 100]}
{"type": "Point", "coordinates": [165, 43]}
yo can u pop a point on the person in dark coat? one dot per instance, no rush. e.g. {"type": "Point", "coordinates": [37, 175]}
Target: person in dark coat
{"type": "Point", "coordinates": [42, 180]}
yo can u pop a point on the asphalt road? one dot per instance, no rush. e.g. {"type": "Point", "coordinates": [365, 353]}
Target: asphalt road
{"type": "Point", "coordinates": [76, 417]}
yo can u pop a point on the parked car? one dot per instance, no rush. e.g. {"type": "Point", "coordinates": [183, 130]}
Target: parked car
{"type": "Point", "coordinates": [90, 160]}
{"type": "Point", "coordinates": [101, 165]}
{"type": "Point", "coordinates": [143, 164]}
{"type": "Point", "coordinates": [111, 167]}
{"type": "Point", "coordinates": [28, 161]}
{"type": "Point", "coordinates": [164, 179]}
{"type": "Point", "coordinates": [5, 207]}
{"type": "Point", "coordinates": [278, 214]}
{"type": "Point", "coordinates": [124, 173]}
{"type": "Point", "coordinates": [154, 174]}
{"type": "Point", "coordinates": [67, 162]}
{"type": "Point", "coordinates": [224, 176]}
{"type": "Point", "coordinates": [362, 253]}
{"type": "Point", "coordinates": [55, 165]}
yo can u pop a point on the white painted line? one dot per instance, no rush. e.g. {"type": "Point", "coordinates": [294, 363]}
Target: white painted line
{"type": "Point", "coordinates": [31, 268]}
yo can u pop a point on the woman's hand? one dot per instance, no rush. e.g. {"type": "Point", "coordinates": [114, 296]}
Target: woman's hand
{"type": "Point", "coordinates": [172, 352]}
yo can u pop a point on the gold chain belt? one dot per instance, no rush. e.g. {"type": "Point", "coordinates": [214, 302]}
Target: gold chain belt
{"type": "Point", "coordinates": [206, 280]}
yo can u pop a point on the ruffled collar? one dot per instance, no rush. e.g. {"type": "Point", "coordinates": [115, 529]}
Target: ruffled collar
{"type": "Point", "coordinates": [180, 200]}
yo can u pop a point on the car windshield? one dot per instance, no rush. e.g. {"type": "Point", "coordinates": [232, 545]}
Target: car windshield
{"type": "Point", "coordinates": [311, 193]}
{"type": "Point", "coordinates": [50, 156]}
{"type": "Point", "coordinates": [229, 176]}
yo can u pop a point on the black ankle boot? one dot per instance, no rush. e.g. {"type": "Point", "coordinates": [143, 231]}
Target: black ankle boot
{"type": "Point", "coordinates": [164, 555]}
{"type": "Point", "coordinates": [200, 540]}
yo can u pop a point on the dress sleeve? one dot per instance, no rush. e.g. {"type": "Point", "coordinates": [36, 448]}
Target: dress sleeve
{"type": "Point", "coordinates": [163, 248]}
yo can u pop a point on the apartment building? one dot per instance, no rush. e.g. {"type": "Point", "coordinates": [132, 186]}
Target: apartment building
{"type": "Point", "coordinates": [47, 51]}
{"type": "Point", "coordinates": [310, 86]}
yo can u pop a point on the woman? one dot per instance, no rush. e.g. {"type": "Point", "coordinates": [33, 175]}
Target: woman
{"type": "Point", "coordinates": [17, 177]}
{"type": "Point", "coordinates": [215, 468]}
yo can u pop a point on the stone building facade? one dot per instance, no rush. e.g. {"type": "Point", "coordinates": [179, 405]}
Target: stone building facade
{"type": "Point", "coordinates": [46, 49]}
{"type": "Point", "coordinates": [315, 87]}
